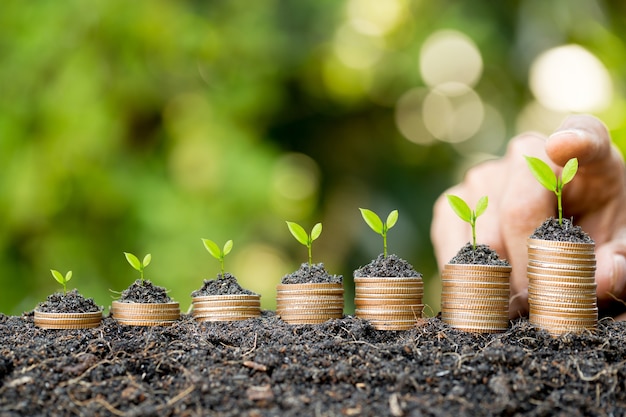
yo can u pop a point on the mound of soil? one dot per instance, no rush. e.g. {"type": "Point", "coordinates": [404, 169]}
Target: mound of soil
{"type": "Point", "coordinates": [566, 232]}
{"type": "Point", "coordinates": [145, 292]}
{"type": "Point", "coordinates": [387, 266]}
{"type": "Point", "coordinates": [344, 367]}
{"type": "Point", "coordinates": [482, 255]}
{"type": "Point", "coordinates": [223, 285]}
{"type": "Point", "coordinates": [311, 274]}
{"type": "Point", "coordinates": [71, 302]}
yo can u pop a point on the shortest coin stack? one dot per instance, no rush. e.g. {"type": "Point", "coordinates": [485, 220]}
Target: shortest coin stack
{"type": "Point", "coordinates": [67, 320]}
{"type": "Point", "coordinates": [309, 303]}
{"type": "Point", "coordinates": [145, 314]}
{"type": "Point", "coordinates": [475, 298]}
{"type": "Point", "coordinates": [389, 303]}
{"type": "Point", "coordinates": [561, 286]}
{"type": "Point", "coordinates": [228, 307]}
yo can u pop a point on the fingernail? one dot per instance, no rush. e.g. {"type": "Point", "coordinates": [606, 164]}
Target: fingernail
{"type": "Point", "coordinates": [618, 276]}
{"type": "Point", "coordinates": [569, 132]}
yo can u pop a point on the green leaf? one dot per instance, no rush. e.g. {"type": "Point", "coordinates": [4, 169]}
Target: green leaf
{"type": "Point", "coordinates": [316, 231]}
{"type": "Point", "coordinates": [569, 170]}
{"type": "Point", "coordinates": [372, 220]}
{"type": "Point", "coordinates": [299, 233]}
{"type": "Point", "coordinates": [58, 276]}
{"type": "Point", "coordinates": [542, 172]}
{"type": "Point", "coordinates": [481, 206]}
{"type": "Point", "coordinates": [68, 276]}
{"type": "Point", "coordinates": [392, 219]}
{"type": "Point", "coordinates": [228, 246]}
{"type": "Point", "coordinates": [460, 207]}
{"type": "Point", "coordinates": [146, 260]}
{"type": "Point", "coordinates": [212, 247]}
{"type": "Point", "coordinates": [133, 261]}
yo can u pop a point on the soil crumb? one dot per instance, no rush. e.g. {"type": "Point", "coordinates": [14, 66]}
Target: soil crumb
{"type": "Point", "coordinates": [311, 274]}
{"type": "Point", "coordinates": [144, 293]}
{"type": "Point", "coordinates": [482, 255]}
{"type": "Point", "coordinates": [566, 232]}
{"type": "Point", "coordinates": [223, 285]}
{"type": "Point", "coordinates": [71, 302]}
{"type": "Point", "coordinates": [389, 266]}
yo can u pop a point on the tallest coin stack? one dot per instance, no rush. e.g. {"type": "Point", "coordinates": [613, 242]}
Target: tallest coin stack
{"type": "Point", "coordinates": [561, 286]}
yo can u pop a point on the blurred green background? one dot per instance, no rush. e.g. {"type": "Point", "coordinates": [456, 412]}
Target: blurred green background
{"type": "Point", "coordinates": [144, 126]}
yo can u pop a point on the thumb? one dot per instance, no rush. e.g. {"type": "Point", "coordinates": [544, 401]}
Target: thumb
{"type": "Point", "coordinates": [611, 270]}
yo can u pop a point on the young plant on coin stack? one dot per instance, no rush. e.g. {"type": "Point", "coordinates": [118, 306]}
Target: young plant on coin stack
{"type": "Point", "coordinates": [223, 299]}
{"type": "Point", "coordinates": [309, 295]}
{"type": "Point", "coordinates": [143, 303]}
{"type": "Point", "coordinates": [561, 263]}
{"type": "Point", "coordinates": [475, 282]}
{"type": "Point", "coordinates": [388, 290]}
{"type": "Point", "coordinates": [67, 310]}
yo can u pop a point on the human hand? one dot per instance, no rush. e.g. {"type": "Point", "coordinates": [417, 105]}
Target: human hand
{"type": "Point", "coordinates": [518, 204]}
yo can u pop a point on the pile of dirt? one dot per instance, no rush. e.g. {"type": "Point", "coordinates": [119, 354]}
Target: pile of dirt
{"type": "Point", "coordinates": [144, 292]}
{"type": "Point", "coordinates": [311, 274]}
{"type": "Point", "coordinates": [223, 285]}
{"type": "Point", "coordinates": [387, 266]}
{"type": "Point", "coordinates": [344, 367]}
{"type": "Point", "coordinates": [70, 302]}
{"type": "Point", "coordinates": [565, 232]}
{"type": "Point", "coordinates": [481, 255]}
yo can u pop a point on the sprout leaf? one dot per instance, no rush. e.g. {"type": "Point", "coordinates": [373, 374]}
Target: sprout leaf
{"type": "Point", "coordinates": [372, 220]}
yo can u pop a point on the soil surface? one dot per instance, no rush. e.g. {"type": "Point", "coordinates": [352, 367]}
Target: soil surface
{"type": "Point", "coordinates": [223, 285]}
{"type": "Point", "coordinates": [311, 274]}
{"type": "Point", "coordinates": [145, 292]}
{"type": "Point", "coordinates": [566, 232]}
{"type": "Point", "coordinates": [70, 302]}
{"type": "Point", "coordinates": [482, 255]}
{"type": "Point", "coordinates": [387, 266]}
{"type": "Point", "coordinates": [344, 367]}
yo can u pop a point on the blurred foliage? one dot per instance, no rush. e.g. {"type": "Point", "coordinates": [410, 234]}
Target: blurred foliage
{"type": "Point", "coordinates": [145, 126]}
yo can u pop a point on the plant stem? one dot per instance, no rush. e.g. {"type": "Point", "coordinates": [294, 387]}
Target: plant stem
{"type": "Point", "coordinates": [310, 258]}
{"type": "Point", "coordinates": [384, 245]}
{"type": "Point", "coordinates": [222, 266]}
{"type": "Point", "coordinates": [560, 206]}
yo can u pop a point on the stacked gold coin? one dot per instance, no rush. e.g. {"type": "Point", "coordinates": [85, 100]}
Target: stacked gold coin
{"type": "Point", "coordinates": [389, 303]}
{"type": "Point", "coordinates": [475, 298]}
{"type": "Point", "coordinates": [145, 314]}
{"type": "Point", "coordinates": [229, 307]}
{"type": "Point", "coordinates": [561, 286]}
{"type": "Point", "coordinates": [309, 303]}
{"type": "Point", "coordinates": [67, 320]}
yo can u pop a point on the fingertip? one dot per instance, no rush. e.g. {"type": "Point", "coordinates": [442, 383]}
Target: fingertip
{"type": "Point", "coordinates": [611, 277]}
{"type": "Point", "coordinates": [582, 137]}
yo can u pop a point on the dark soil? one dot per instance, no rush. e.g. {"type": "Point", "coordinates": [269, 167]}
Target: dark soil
{"type": "Point", "coordinates": [344, 367]}
{"type": "Point", "coordinates": [389, 266]}
{"type": "Point", "coordinates": [145, 292]}
{"type": "Point", "coordinates": [223, 285]}
{"type": "Point", "coordinates": [71, 302]}
{"type": "Point", "coordinates": [566, 232]}
{"type": "Point", "coordinates": [482, 255]}
{"type": "Point", "coordinates": [311, 274]}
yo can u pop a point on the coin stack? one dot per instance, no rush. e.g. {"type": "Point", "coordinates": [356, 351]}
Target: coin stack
{"type": "Point", "coordinates": [389, 303]}
{"type": "Point", "coordinates": [67, 320]}
{"type": "Point", "coordinates": [475, 298]}
{"type": "Point", "coordinates": [561, 286]}
{"type": "Point", "coordinates": [229, 307]}
{"type": "Point", "coordinates": [145, 314]}
{"type": "Point", "coordinates": [309, 303]}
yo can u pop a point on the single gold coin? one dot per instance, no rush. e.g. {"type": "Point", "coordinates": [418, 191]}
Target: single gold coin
{"type": "Point", "coordinates": [384, 281]}
{"type": "Point", "coordinates": [145, 323]}
{"type": "Point", "coordinates": [145, 308]}
{"type": "Point", "coordinates": [563, 246]}
{"type": "Point", "coordinates": [477, 268]}
{"type": "Point", "coordinates": [386, 302]}
{"type": "Point", "coordinates": [553, 272]}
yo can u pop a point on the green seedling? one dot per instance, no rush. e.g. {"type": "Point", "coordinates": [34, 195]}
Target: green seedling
{"type": "Point", "coordinates": [463, 210]}
{"type": "Point", "coordinates": [377, 225]}
{"type": "Point", "coordinates": [546, 177]}
{"type": "Point", "coordinates": [218, 253]}
{"type": "Point", "coordinates": [62, 279]}
{"type": "Point", "coordinates": [303, 237]}
{"type": "Point", "coordinates": [137, 264]}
